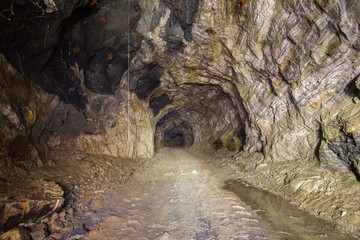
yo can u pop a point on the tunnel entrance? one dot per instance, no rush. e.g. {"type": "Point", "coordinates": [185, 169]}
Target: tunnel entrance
{"type": "Point", "coordinates": [172, 130]}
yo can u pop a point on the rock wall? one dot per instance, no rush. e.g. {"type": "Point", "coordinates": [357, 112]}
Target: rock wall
{"type": "Point", "coordinates": [73, 69]}
{"type": "Point", "coordinates": [283, 64]}
{"type": "Point", "coordinates": [289, 67]}
{"type": "Point", "coordinates": [34, 123]}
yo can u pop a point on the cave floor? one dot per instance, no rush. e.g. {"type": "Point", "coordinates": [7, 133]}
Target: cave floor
{"type": "Point", "coordinates": [179, 194]}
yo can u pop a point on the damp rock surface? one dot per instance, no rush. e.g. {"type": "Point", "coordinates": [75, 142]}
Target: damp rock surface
{"type": "Point", "coordinates": [330, 195]}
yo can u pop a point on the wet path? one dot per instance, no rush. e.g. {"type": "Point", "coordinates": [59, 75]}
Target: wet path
{"type": "Point", "coordinates": [179, 195]}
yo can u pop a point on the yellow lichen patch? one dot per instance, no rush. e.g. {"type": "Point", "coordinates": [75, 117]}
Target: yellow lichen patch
{"type": "Point", "coordinates": [214, 47]}
{"type": "Point", "coordinates": [176, 103]}
{"type": "Point", "coordinates": [26, 208]}
{"type": "Point", "coordinates": [137, 106]}
{"type": "Point", "coordinates": [353, 128]}
{"type": "Point", "coordinates": [230, 79]}
{"type": "Point", "coordinates": [322, 91]}
{"type": "Point", "coordinates": [143, 124]}
{"type": "Point", "coordinates": [277, 83]}
{"type": "Point", "coordinates": [193, 76]}
{"type": "Point", "coordinates": [267, 95]}
{"type": "Point", "coordinates": [318, 103]}
{"type": "Point", "coordinates": [31, 116]}
{"type": "Point", "coordinates": [305, 218]}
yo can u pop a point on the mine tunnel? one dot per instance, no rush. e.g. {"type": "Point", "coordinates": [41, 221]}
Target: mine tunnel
{"type": "Point", "coordinates": [172, 131]}
{"type": "Point", "coordinates": [124, 119]}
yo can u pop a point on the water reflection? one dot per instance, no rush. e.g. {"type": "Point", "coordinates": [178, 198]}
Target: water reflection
{"type": "Point", "coordinates": [282, 215]}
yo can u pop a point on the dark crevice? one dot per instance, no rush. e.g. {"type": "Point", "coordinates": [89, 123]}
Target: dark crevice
{"type": "Point", "coordinates": [146, 81]}
{"type": "Point", "coordinates": [158, 103]}
{"type": "Point", "coordinates": [356, 172]}
{"type": "Point", "coordinates": [350, 89]}
{"type": "Point", "coordinates": [318, 145]}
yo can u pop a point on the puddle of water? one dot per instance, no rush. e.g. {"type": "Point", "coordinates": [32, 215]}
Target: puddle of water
{"type": "Point", "coordinates": [282, 215]}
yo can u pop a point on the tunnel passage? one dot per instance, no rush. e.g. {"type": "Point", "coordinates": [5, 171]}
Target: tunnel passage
{"type": "Point", "coordinates": [172, 130]}
{"type": "Point", "coordinates": [204, 118]}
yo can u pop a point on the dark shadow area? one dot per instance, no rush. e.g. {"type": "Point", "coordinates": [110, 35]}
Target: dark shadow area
{"type": "Point", "coordinates": [158, 103]}
{"type": "Point", "coordinates": [145, 80]}
{"type": "Point", "coordinates": [173, 130]}
{"type": "Point", "coordinates": [173, 138]}
{"type": "Point", "coordinates": [351, 90]}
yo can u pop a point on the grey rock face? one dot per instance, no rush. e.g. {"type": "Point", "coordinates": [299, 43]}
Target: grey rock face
{"type": "Point", "coordinates": [348, 150]}
{"type": "Point", "coordinates": [339, 150]}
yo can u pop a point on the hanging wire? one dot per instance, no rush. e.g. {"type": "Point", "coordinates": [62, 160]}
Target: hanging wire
{"type": "Point", "coordinates": [128, 71]}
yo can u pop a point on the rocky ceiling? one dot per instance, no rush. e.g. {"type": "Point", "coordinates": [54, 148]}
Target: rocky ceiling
{"type": "Point", "coordinates": [268, 78]}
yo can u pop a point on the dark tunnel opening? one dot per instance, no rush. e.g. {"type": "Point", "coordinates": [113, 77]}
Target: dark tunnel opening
{"type": "Point", "coordinates": [173, 131]}
{"type": "Point", "coordinates": [173, 138]}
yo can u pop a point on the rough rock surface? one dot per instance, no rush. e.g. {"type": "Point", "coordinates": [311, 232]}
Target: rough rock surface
{"type": "Point", "coordinates": [276, 80]}
{"type": "Point", "coordinates": [28, 201]}
{"type": "Point", "coordinates": [40, 208]}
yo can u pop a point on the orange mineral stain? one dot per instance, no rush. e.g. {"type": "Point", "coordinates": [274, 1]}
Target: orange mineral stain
{"type": "Point", "coordinates": [137, 8]}
{"type": "Point", "coordinates": [210, 31]}
{"type": "Point", "coordinates": [94, 2]}
{"type": "Point", "coordinates": [139, 39]}
{"type": "Point", "coordinates": [103, 20]}
{"type": "Point", "coordinates": [76, 49]}
{"type": "Point", "coordinates": [178, 10]}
